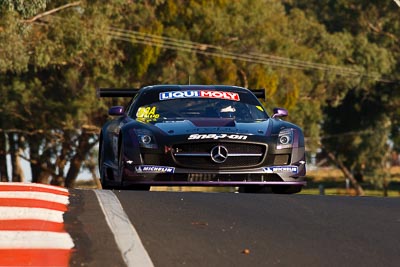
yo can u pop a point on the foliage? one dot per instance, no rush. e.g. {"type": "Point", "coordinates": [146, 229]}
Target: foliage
{"type": "Point", "coordinates": [362, 122]}
{"type": "Point", "coordinates": [358, 130]}
{"type": "Point", "coordinates": [328, 62]}
{"type": "Point", "coordinates": [25, 8]}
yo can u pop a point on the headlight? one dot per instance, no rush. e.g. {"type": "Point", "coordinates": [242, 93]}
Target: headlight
{"type": "Point", "coordinates": [285, 139]}
{"type": "Point", "coordinates": [146, 138]}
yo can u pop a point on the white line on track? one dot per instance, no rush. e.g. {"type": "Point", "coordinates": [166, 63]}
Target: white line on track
{"type": "Point", "coordinates": [35, 240]}
{"type": "Point", "coordinates": [35, 195]}
{"type": "Point", "coordinates": [19, 213]}
{"type": "Point", "coordinates": [126, 236]}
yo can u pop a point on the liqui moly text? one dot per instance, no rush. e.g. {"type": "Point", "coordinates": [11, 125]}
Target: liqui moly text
{"type": "Point", "coordinates": [199, 93]}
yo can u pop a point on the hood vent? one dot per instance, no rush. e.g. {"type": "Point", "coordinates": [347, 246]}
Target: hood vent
{"type": "Point", "coordinates": [210, 122]}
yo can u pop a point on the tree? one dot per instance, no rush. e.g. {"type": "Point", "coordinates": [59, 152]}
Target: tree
{"type": "Point", "coordinates": [50, 86]}
{"type": "Point", "coordinates": [54, 55]}
{"type": "Point", "coordinates": [359, 123]}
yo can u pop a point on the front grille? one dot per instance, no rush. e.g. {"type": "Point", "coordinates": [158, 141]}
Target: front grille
{"type": "Point", "coordinates": [198, 155]}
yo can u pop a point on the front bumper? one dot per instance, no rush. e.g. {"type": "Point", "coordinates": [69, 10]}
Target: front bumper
{"type": "Point", "coordinates": [168, 175]}
{"type": "Point", "coordinates": [212, 183]}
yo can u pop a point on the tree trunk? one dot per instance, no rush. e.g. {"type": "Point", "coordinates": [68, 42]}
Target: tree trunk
{"type": "Point", "coordinates": [33, 156]}
{"type": "Point", "coordinates": [243, 78]}
{"type": "Point", "coordinates": [17, 172]}
{"type": "Point", "coordinates": [76, 162]}
{"type": "Point", "coordinates": [385, 187]}
{"type": "Point", "coordinates": [92, 164]}
{"type": "Point", "coordinates": [386, 172]}
{"type": "Point", "coordinates": [39, 175]}
{"type": "Point", "coordinates": [3, 158]}
{"type": "Point", "coordinates": [96, 179]}
{"type": "Point", "coordinates": [62, 161]}
{"type": "Point", "coordinates": [347, 173]}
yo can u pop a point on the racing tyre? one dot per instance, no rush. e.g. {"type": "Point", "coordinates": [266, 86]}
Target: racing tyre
{"type": "Point", "coordinates": [286, 189]}
{"type": "Point", "coordinates": [102, 170]}
{"type": "Point", "coordinates": [256, 189]}
{"type": "Point", "coordinates": [139, 187]}
{"type": "Point", "coordinates": [121, 168]}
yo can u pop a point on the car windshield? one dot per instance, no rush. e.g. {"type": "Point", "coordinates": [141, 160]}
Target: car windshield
{"type": "Point", "coordinates": [187, 108]}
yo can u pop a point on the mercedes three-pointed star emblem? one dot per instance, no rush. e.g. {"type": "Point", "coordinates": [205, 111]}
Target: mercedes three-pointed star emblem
{"type": "Point", "coordinates": [219, 154]}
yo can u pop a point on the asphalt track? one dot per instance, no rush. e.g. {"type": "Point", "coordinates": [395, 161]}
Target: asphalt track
{"type": "Point", "coordinates": [228, 229]}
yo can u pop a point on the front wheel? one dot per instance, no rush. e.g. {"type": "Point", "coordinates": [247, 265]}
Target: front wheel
{"type": "Point", "coordinates": [286, 189]}
{"type": "Point", "coordinates": [121, 164]}
{"type": "Point", "coordinates": [138, 187]}
{"type": "Point", "coordinates": [256, 189]}
{"type": "Point", "coordinates": [102, 170]}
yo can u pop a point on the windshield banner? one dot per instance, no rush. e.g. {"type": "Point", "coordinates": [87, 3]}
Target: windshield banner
{"type": "Point", "coordinates": [199, 93]}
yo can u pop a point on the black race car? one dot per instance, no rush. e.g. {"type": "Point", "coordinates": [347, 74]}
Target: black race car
{"type": "Point", "coordinates": [199, 135]}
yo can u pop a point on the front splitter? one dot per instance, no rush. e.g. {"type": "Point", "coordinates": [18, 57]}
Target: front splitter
{"type": "Point", "coordinates": [213, 183]}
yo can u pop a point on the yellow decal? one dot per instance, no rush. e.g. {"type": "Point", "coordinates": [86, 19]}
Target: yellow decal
{"type": "Point", "coordinates": [260, 108]}
{"type": "Point", "coordinates": [147, 114]}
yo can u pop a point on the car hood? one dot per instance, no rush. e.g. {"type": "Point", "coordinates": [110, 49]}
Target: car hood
{"type": "Point", "coordinates": [202, 126]}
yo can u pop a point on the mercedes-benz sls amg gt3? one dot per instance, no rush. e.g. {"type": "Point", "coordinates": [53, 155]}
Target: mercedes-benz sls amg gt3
{"type": "Point", "coordinates": [199, 135]}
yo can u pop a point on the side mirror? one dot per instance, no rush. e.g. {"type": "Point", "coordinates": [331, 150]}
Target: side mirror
{"type": "Point", "coordinates": [280, 112]}
{"type": "Point", "coordinates": [116, 111]}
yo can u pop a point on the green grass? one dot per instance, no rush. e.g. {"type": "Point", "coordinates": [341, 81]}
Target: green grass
{"type": "Point", "coordinates": [343, 192]}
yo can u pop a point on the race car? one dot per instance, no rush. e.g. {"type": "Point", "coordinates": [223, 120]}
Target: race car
{"type": "Point", "coordinates": [199, 135]}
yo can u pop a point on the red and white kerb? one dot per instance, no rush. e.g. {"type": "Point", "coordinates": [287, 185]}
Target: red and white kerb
{"type": "Point", "coordinates": [32, 229]}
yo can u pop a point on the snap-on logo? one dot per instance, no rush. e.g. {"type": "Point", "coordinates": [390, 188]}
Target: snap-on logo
{"type": "Point", "coordinates": [217, 136]}
{"type": "Point", "coordinates": [200, 94]}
